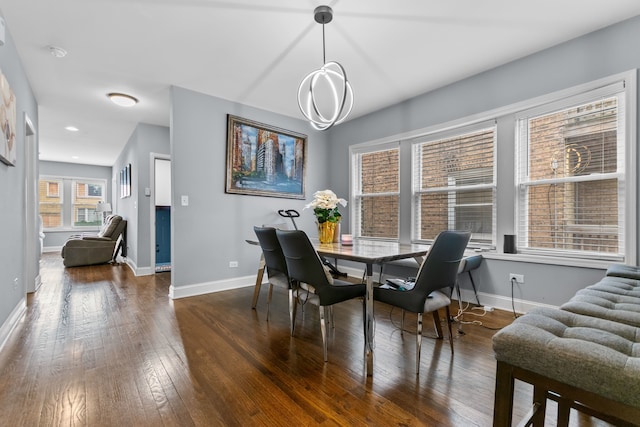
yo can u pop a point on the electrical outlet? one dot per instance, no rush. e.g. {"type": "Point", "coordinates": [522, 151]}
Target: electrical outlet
{"type": "Point", "coordinates": [233, 264]}
{"type": "Point", "coordinates": [519, 278]}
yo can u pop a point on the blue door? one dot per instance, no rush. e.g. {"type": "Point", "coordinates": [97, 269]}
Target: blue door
{"type": "Point", "coordinates": [163, 238]}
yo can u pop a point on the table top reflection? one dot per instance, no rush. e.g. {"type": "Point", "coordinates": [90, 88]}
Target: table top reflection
{"type": "Point", "coordinates": [371, 251]}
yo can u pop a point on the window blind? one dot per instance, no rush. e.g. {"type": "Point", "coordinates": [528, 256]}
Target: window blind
{"type": "Point", "coordinates": [51, 202]}
{"type": "Point", "coordinates": [571, 176]}
{"type": "Point", "coordinates": [454, 184]}
{"type": "Point", "coordinates": [87, 194]}
{"type": "Point", "coordinates": [377, 193]}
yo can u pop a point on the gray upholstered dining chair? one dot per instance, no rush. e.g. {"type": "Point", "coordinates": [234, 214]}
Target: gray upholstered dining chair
{"type": "Point", "coordinates": [276, 267]}
{"type": "Point", "coordinates": [311, 280]}
{"type": "Point", "coordinates": [467, 265]}
{"type": "Point", "coordinates": [433, 286]}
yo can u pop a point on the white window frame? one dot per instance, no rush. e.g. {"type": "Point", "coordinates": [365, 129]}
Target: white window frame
{"type": "Point", "coordinates": [75, 210]}
{"type": "Point", "coordinates": [67, 185]}
{"type": "Point", "coordinates": [59, 195]}
{"type": "Point", "coordinates": [625, 84]}
{"type": "Point", "coordinates": [417, 191]}
{"type": "Point", "coordinates": [49, 193]}
{"type": "Point", "coordinates": [355, 153]}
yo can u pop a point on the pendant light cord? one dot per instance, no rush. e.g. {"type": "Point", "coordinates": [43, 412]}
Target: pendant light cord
{"type": "Point", "coordinates": [324, 57]}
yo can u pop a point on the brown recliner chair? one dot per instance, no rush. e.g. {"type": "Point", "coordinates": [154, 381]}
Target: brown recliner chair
{"type": "Point", "coordinates": [99, 248]}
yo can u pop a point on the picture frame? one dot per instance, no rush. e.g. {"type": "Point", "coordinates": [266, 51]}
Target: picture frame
{"type": "Point", "coordinates": [125, 181]}
{"type": "Point", "coordinates": [264, 160]}
{"type": "Point", "coordinates": [7, 123]}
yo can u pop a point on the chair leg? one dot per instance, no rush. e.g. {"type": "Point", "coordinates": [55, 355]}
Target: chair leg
{"type": "Point", "coordinates": [418, 342]}
{"type": "Point", "coordinates": [293, 305]}
{"type": "Point", "coordinates": [331, 317]}
{"type": "Point", "coordinates": [294, 311]}
{"type": "Point", "coordinates": [475, 291]}
{"type": "Point", "coordinates": [269, 300]}
{"type": "Point", "coordinates": [256, 289]}
{"type": "Point", "coordinates": [402, 322]}
{"type": "Point", "coordinates": [448, 313]}
{"type": "Point", "coordinates": [460, 312]}
{"type": "Point", "coordinates": [436, 323]}
{"type": "Point", "coordinates": [323, 329]}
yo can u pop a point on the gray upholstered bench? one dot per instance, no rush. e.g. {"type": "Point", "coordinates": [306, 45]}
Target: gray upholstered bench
{"type": "Point", "coordinates": [585, 355]}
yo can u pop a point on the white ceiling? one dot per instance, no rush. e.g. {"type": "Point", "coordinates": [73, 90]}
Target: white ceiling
{"type": "Point", "coordinates": [256, 54]}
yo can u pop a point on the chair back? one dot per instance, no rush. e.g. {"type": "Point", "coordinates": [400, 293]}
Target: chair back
{"type": "Point", "coordinates": [470, 263]}
{"type": "Point", "coordinates": [440, 268]}
{"type": "Point", "coordinates": [303, 263]}
{"type": "Point", "coordinates": [113, 227]}
{"type": "Point", "coordinates": [271, 250]}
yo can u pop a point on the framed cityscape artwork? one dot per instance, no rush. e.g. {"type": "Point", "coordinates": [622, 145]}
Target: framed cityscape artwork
{"type": "Point", "coordinates": [263, 160]}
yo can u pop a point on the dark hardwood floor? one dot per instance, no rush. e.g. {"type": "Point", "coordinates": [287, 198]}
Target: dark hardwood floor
{"type": "Point", "coordinates": [101, 347]}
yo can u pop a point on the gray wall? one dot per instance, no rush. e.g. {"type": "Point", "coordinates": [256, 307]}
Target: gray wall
{"type": "Point", "coordinates": [211, 231]}
{"type": "Point", "coordinates": [600, 54]}
{"type": "Point", "coordinates": [12, 189]}
{"type": "Point", "coordinates": [144, 140]}
{"type": "Point", "coordinates": [57, 238]}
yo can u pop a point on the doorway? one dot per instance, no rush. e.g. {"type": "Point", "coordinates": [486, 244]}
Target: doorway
{"type": "Point", "coordinates": [161, 212]}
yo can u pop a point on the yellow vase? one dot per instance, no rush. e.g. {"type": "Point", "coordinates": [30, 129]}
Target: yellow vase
{"type": "Point", "coordinates": [325, 231]}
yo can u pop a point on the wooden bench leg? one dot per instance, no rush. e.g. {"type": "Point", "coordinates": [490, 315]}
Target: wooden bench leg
{"type": "Point", "coordinates": [503, 400]}
{"type": "Point", "coordinates": [539, 405]}
{"type": "Point", "coordinates": [564, 409]}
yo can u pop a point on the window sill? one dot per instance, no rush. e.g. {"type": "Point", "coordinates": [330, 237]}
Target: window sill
{"type": "Point", "coordinates": [538, 259]}
{"type": "Point", "coordinates": [71, 229]}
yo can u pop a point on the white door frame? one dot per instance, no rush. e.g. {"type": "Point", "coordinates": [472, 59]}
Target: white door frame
{"type": "Point", "coordinates": [32, 223]}
{"type": "Point", "coordinates": [152, 205]}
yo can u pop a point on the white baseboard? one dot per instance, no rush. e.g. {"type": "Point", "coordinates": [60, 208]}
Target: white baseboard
{"type": "Point", "coordinates": [36, 284]}
{"type": "Point", "coordinates": [137, 271]}
{"type": "Point", "coordinates": [176, 292]}
{"type": "Point", "coordinates": [500, 302]}
{"type": "Point", "coordinates": [12, 321]}
{"type": "Point", "coordinates": [52, 249]}
{"type": "Point", "coordinates": [496, 301]}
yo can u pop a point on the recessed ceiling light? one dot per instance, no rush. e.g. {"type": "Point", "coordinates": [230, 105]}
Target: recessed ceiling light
{"type": "Point", "coordinates": [72, 129]}
{"type": "Point", "coordinates": [58, 52]}
{"type": "Point", "coordinates": [122, 99]}
{"type": "Point", "coordinates": [75, 157]}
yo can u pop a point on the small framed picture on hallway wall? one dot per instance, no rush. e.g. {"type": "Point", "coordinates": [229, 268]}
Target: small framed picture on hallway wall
{"type": "Point", "coordinates": [125, 181]}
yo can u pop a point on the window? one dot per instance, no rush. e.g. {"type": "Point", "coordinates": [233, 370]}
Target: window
{"type": "Point", "coordinates": [87, 194]}
{"type": "Point", "coordinates": [53, 189]}
{"type": "Point", "coordinates": [454, 184]}
{"type": "Point", "coordinates": [571, 176]}
{"type": "Point", "coordinates": [376, 192]}
{"type": "Point", "coordinates": [51, 202]}
{"type": "Point", "coordinates": [79, 210]}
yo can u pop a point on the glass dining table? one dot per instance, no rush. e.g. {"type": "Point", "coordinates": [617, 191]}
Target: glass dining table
{"type": "Point", "coordinates": [370, 253]}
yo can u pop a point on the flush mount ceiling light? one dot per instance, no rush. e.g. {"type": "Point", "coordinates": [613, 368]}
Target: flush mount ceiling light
{"type": "Point", "coordinates": [58, 52]}
{"type": "Point", "coordinates": [72, 129]}
{"type": "Point", "coordinates": [325, 96]}
{"type": "Point", "coordinates": [122, 99]}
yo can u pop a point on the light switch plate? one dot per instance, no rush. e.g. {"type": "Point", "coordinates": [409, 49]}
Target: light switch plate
{"type": "Point", "coordinates": [184, 200]}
